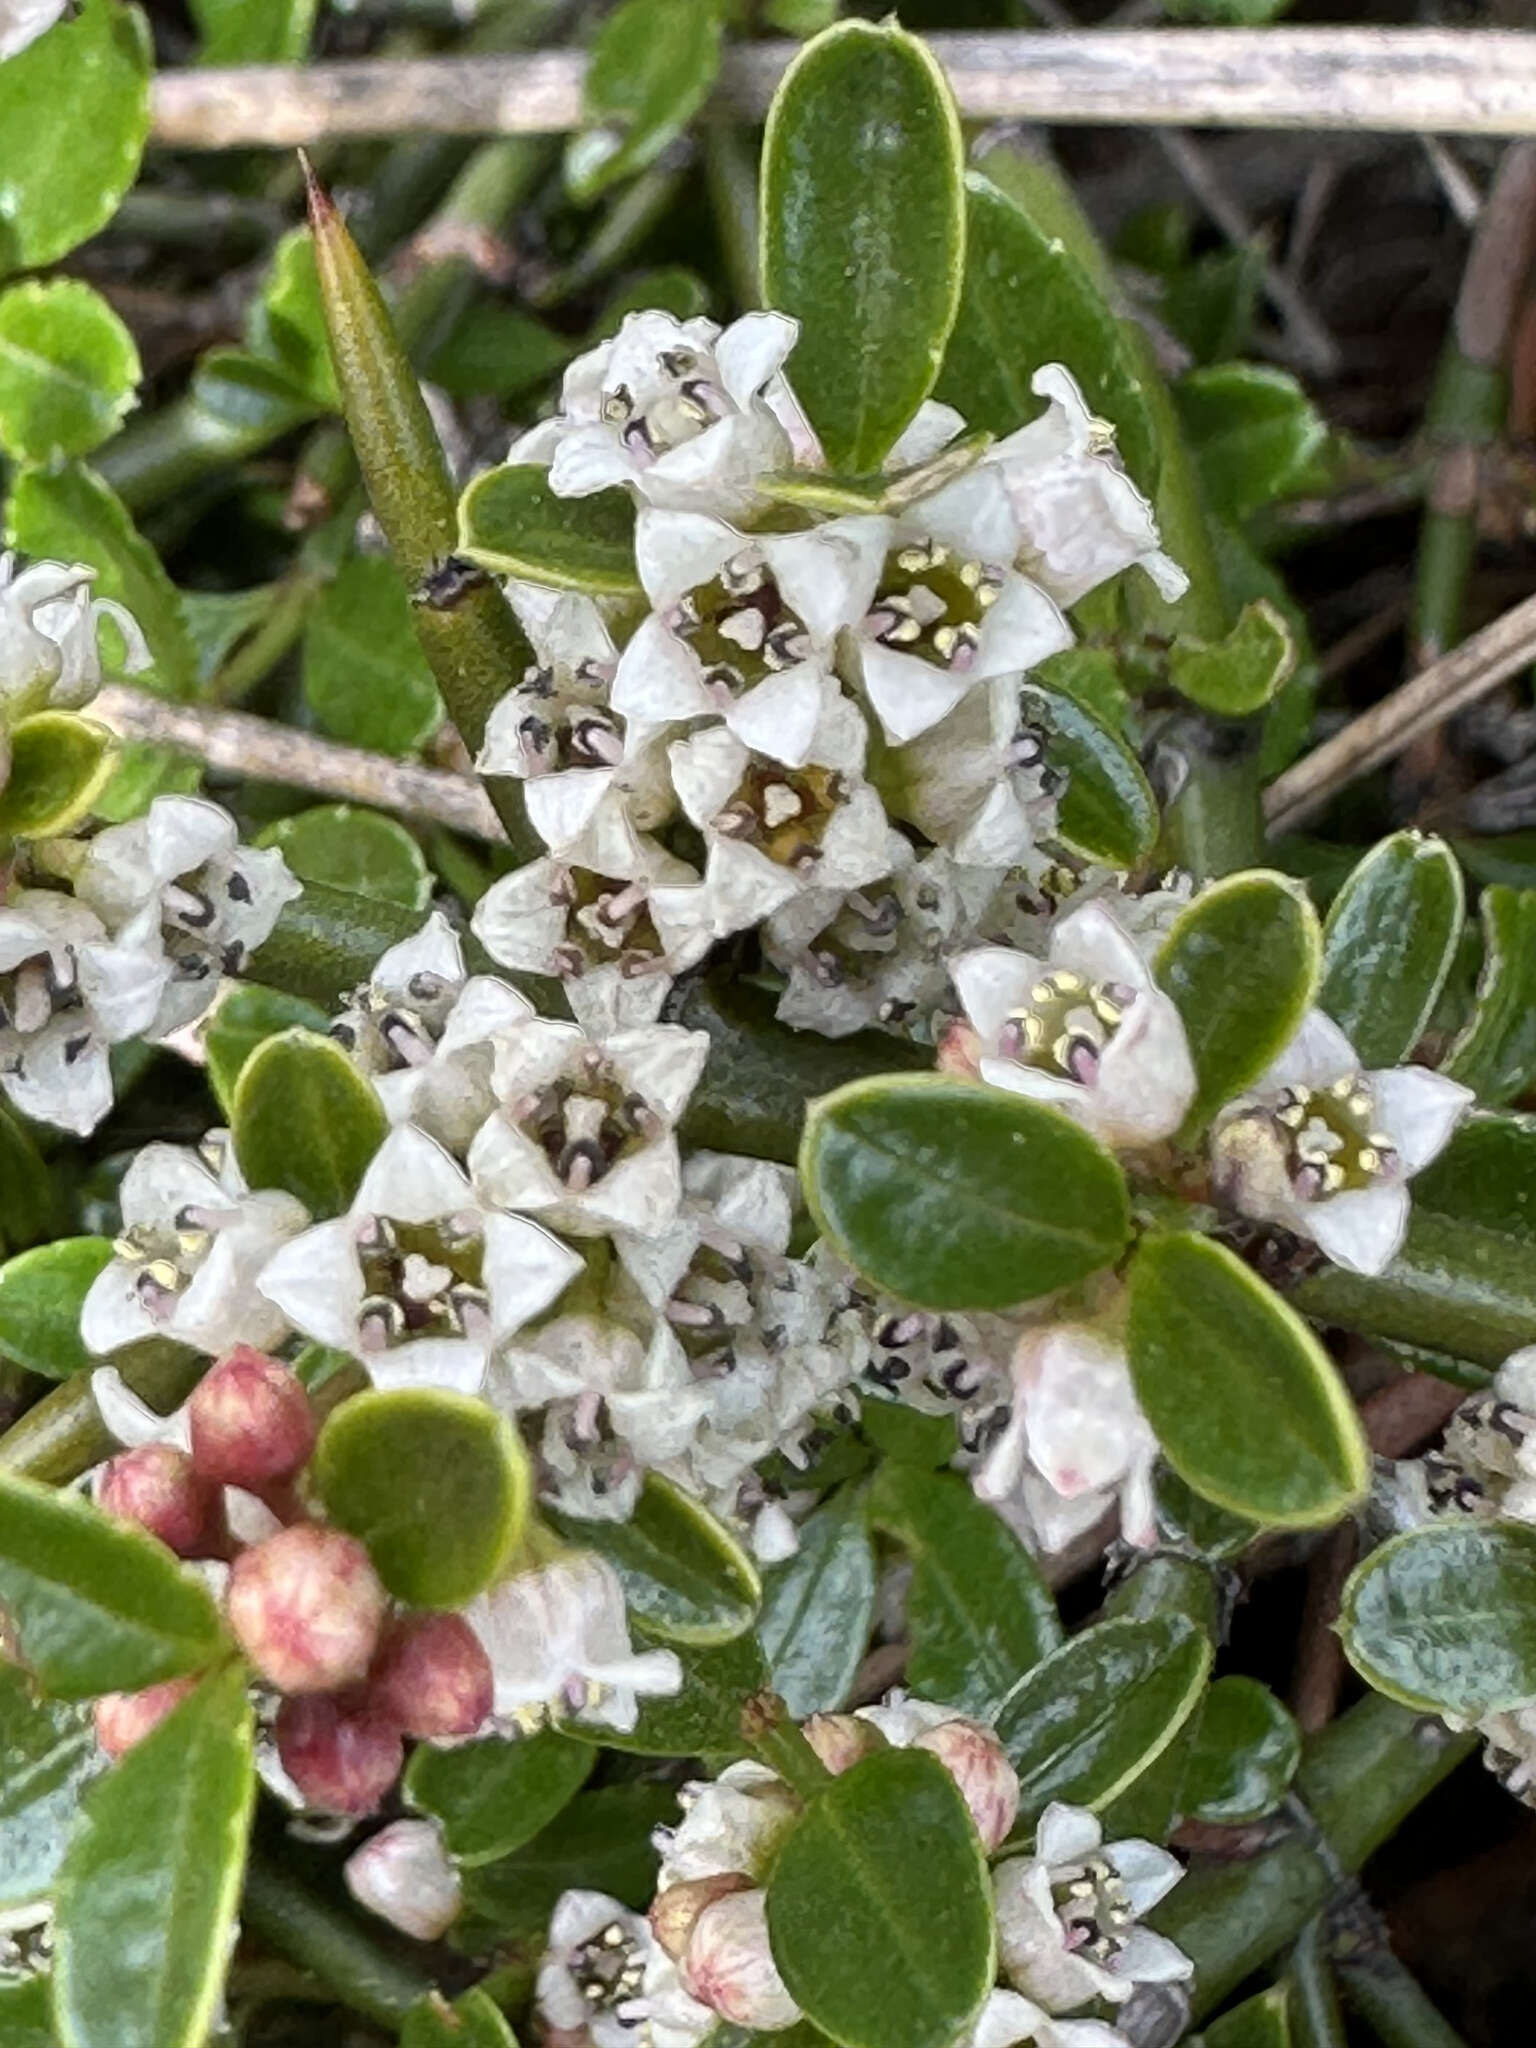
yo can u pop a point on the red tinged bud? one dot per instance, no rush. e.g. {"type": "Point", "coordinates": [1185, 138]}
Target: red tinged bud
{"type": "Point", "coordinates": [124, 1718]}
{"type": "Point", "coordinates": [252, 1424]}
{"type": "Point", "coordinates": [979, 1765]}
{"type": "Point", "coordinates": [433, 1678]}
{"type": "Point", "coordinates": [156, 1486]}
{"type": "Point", "coordinates": [341, 1754]}
{"type": "Point", "coordinates": [306, 1607]}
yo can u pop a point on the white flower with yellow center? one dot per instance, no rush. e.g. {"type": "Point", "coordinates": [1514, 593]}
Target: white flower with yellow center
{"type": "Point", "coordinates": [593, 1970]}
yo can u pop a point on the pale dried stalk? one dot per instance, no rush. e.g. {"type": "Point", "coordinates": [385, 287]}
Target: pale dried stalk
{"type": "Point", "coordinates": [1429, 81]}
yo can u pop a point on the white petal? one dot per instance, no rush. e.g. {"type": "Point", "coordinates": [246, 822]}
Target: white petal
{"type": "Point", "coordinates": [1067, 1834]}
{"type": "Point", "coordinates": [454, 1365]}
{"type": "Point", "coordinates": [1021, 629]}
{"type": "Point", "coordinates": [1362, 1229]}
{"type": "Point", "coordinates": [434, 950]}
{"type": "Point", "coordinates": [412, 1179]}
{"type": "Point", "coordinates": [588, 459]}
{"type": "Point", "coordinates": [909, 694]}
{"type": "Point", "coordinates": [932, 427]}
{"type": "Point", "coordinates": [639, 1194]}
{"type": "Point", "coordinates": [662, 1063]}
{"type": "Point", "coordinates": [1147, 1872]}
{"type": "Point", "coordinates": [1420, 1110]}
{"type": "Point", "coordinates": [780, 717]}
{"type": "Point", "coordinates": [993, 982]}
{"type": "Point", "coordinates": [972, 514]}
{"type": "Point", "coordinates": [827, 577]}
{"type": "Point", "coordinates": [751, 349]}
{"type": "Point", "coordinates": [113, 1312]}
{"type": "Point", "coordinates": [317, 1282]}
{"type": "Point", "coordinates": [1149, 1958]}
{"type": "Point", "coordinates": [676, 552]}
{"type": "Point", "coordinates": [510, 1170]}
{"type": "Point", "coordinates": [562, 807]}
{"type": "Point", "coordinates": [525, 1270]}
{"type": "Point", "coordinates": [133, 1421]}
{"type": "Point", "coordinates": [659, 679]}
{"type": "Point", "coordinates": [1093, 942]}
{"type": "Point", "coordinates": [1319, 1053]}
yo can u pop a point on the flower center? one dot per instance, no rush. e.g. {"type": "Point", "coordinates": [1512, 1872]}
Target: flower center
{"type": "Point", "coordinates": [1095, 1910]}
{"type": "Point", "coordinates": [740, 627]}
{"type": "Point", "coordinates": [712, 1304]}
{"type": "Point", "coordinates": [865, 932]}
{"type": "Point", "coordinates": [608, 1968]}
{"type": "Point", "coordinates": [384, 1034]}
{"type": "Point", "coordinates": [607, 923]}
{"type": "Point", "coordinates": [420, 1280]}
{"type": "Point", "coordinates": [167, 1256]}
{"type": "Point", "coordinates": [1066, 1025]}
{"type": "Point", "coordinates": [585, 1123]}
{"type": "Point", "coordinates": [566, 723]}
{"type": "Point", "coordinates": [1332, 1145]}
{"type": "Point", "coordinates": [931, 601]}
{"type": "Point", "coordinates": [783, 812]}
{"type": "Point", "coordinates": [40, 989]}
{"type": "Point", "coordinates": [687, 403]}
{"type": "Point", "coordinates": [191, 908]}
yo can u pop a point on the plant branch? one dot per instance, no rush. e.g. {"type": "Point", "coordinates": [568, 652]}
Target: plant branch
{"type": "Point", "coordinates": [1389, 1999]}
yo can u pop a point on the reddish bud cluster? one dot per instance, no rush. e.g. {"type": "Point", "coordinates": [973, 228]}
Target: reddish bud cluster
{"type": "Point", "coordinates": [158, 1487]}
{"type": "Point", "coordinates": [252, 1425]}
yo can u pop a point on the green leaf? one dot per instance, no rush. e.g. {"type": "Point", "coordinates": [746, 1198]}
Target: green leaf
{"type": "Point", "coordinates": [1388, 945]}
{"type": "Point", "coordinates": [60, 764]}
{"type": "Point", "coordinates": [684, 1575]}
{"type": "Point", "coordinates": [1108, 810]}
{"type": "Point", "coordinates": [254, 31]}
{"type": "Point", "coordinates": [1262, 2021]}
{"type": "Point", "coordinates": [41, 1292]}
{"type": "Point", "coordinates": [1244, 1755]}
{"type": "Point", "coordinates": [863, 232]}
{"type": "Point", "coordinates": [150, 1887]}
{"type": "Point", "coordinates": [474, 2020]}
{"type": "Point", "coordinates": [306, 1120]}
{"type": "Point", "coordinates": [365, 676]}
{"type": "Point", "coordinates": [1246, 1404]}
{"type": "Point", "coordinates": [957, 1196]}
{"type": "Point", "coordinates": [512, 524]}
{"type": "Point", "coordinates": [704, 1718]}
{"type": "Point", "coordinates": [354, 849]}
{"type": "Point", "coordinates": [651, 69]}
{"type": "Point", "coordinates": [97, 1605]}
{"type": "Point", "coordinates": [141, 771]}
{"type": "Point", "coordinates": [26, 2013]}
{"type": "Point", "coordinates": [1242, 965]}
{"type": "Point", "coordinates": [493, 1796]}
{"type": "Point", "coordinates": [29, 1201]}
{"type": "Point", "coordinates": [1496, 1053]}
{"type": "Point", "coordinates": [251, 399]}
{"type": "Point", "coordinates": [817, 1609]}
{"type": "Point", "coordinates": [1444, 1618]}
{"type": "Point", "coordinates": [74, 116]}
{"type": "Point", "coordinates": [1254, 431]}
{"type": "Point", "coordinates": [287, 321]}
{"type": "Point", "coordinates": [497, 351]}
{"type": "Point", "coordinates": [50, 1756]}
{"type": "Point", "coordinates": [1241, 673]}
{"type": "Point", "coordinates": [880, 1910]}
{"type": "Point", "coordinates": [979, 1615]}
{"type": "Point", "coordinates": [70, 515]}
{"type": "Point", "coordinates": [1086, 1722]}
{"type": "Point", "coordinates": [244, 1018]}
{"type": "Point", "coordinates": [436, 1485]}
{"type": "Point", "coordinates": [600, 1842]}
{"type": "Point", "coordinates": [68, 369]}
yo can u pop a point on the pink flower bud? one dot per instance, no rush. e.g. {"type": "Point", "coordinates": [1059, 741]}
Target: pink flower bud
{"type": "Point", "coordinates": [675, 1912]}
{"type": "Point", "coordinates": [959, 1050]}
{"type": "Point", "coordinates": [977, 1762]}
{"type": "Point", "coordinates": [842, 1740]}
{"type": "Point", "coordinates": [156, 1486]}
{"type": "Point", "coordinates": [730, 1968]}
{"type": "Point", "coordinates": [432, 1677]}
{"type": "Point", "coordinates": [306, 1607]}
{"type": "Point", "coordinates": [124, 1718]}
{"type": "Point", "coordinates": [251, 1421]}
{"type": "Point", "coordinates": [403, 1874]}
{"type": "Point", "coordinates": [342, 1755]}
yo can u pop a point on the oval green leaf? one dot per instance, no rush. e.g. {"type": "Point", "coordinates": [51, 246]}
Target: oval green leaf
{"type": "Point", "coordinates": [863, 232]}
{"type": "Point", "coordinates": [511, 523]}
{"type": "Point", "coordinates": [880, 1910]}
{"type": "Point", "coordinates": [1107, 808]}
{"type": "Point", "coordinates": [306, 1120]}
{"type": "Point", "coordinates": [364, 674]}
{"type": "Point", "coordinates": [1388, 944]}
{"type": "Point", "coordinates": [60, 764]}
{"type": "Point", "coordinates": [244, 1018]}
{"type": "Point", "coordinates": [602, 1842]}
{"type": "Point", "coordinates": [817, 1609]}
{"type": "Point", "coordinates": [1245, 1402]}
{"type": "Point", "coordinates": [1254, 432]}
{"type": "Point", "coordinates": [1244, 1754]}
{"type": "Point", "coordinates": [436, 1485]}
{"type": "Point", "coordinates": [350, 848]}
{"type": "Point", "coordinates": [684, 1574]}
{"type": "Point", "coordinates": [1239, 673]}
{"type": "Point", "coordinates": [493, 1796]}
{"type": "Point", "coordinates": [1496, 1053]}
{"type": "Point", "coordinates": [957, 1196]}
{"type": "Point", "coordinates": [651, 69]}
{"type": "Point", "coordinates": [50, 1756]}
{"type": "Point", "coordinates": [41, 1292]}
{"type": "Point", "coordinates": [68, 369]}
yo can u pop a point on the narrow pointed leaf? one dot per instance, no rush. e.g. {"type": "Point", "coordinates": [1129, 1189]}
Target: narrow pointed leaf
{"type": "Point", "coordinates": [473, 2020]}
{"type": "Point", "coordinates": [1388, 945]}
{"type": "Point", "coordinates": [306, 1120]}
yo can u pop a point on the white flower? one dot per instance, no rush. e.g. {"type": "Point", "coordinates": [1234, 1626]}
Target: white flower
{"type": "Point", "coordinates": [593, 1969]}
{"type": "Point", "coordinates": [1086, 1029]}
{"type": "Point", "coordinates": [583, 1134]}
{"type": "Point", "coordinates": [979, 783]}
{"type": "Point", "coordinates": [404, 1874]}
{"type": "Point", "coordinates": [194, 1239]}
{"type": "Point", "coordinates": [1068, 1917]}
{"type": "Point", "coordinates": [673, 2019]}
{"type": "Point", "coordinates": [731, 1824]}
{"type": "Point", "coordinates": [417, 1280]}
{"type": "Point", "coordinates": [967, 1749]}
{"type": "Point", "coordinates": [559, 1647]}
{"type": "Point", "coordinates": [1327, 1151]}
{"type": "Point", "coordinates": [48, 618]}
{"type": "Point", "coordinates": [1511, 1750]}
{"type": "Point", "coordinates": [1007, 2019]}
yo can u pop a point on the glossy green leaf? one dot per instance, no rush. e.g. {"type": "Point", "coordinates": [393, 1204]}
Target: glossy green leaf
{"type": "Point", "coordinates": [365, 676]}
{"type": "Point", "coordinates": [684, 1574]}
{"type": "Point", "coordinates": [1496, 1053]}
{"type": "Point", "coordinates": [244, 1018]}
{"type": "Point", "coordinates": [703, 1718]}
{"type": "Point", "coordinates": [26, 2013]}
{"type": "Point", "coordinates": [651, 69]}
{"type": "Point", "coordinates": [1241, 673]}
{"type": "Point", "coordinates": [50, 1756]}
{"type": "Point", "coordinates": [1108, 810]}
{"type": "Point", "coordinates": [96, 1604]}
{"type": "Point", "coordinates": [602, 1842]}
{"type": "Point", "coordinates": [60, 764]}
{"type": "Point", "coordinates": [249, 399]}
{"type": "Point", "coordinates": [41, 1292]}
{"type": "Point", "coordinates": [1444, 1617]}
{"type": "Point", "coordinates": [863, 232]}
{"type": "Point", "coordinates": [74, 116]}
{"type": "Point", "coordinates": [351, 848]}
{"type": "Point", "coordinates": [1262, 2021]}
{"type": "Point", "coordinates": [1388, 945]}
{"type": "Point", "coordinates": [474, 2020]}
{"type": "Point", "coordinates": [1087, 1721]}
{"type": "Point", "coordinates": [436, 1484]}
{"type": "Point", "coordinates": [1244, 1754]}
{"type": "Point", "coordinates": [287, 320]}
{"type": "Point", "coordinates": [880, 1910]}
{"type": "Point", "coordinates": [29, 1201]}
{"type": "Point", "coordinates": [957, 1196]}
{"type": "Point", "coordinates": [1254, 431]}
{"type": "Point", "coordinates": [817, 1610]}
{"type": "Point", "coordinates": [254, 31]}
{"type": "Point", "coordinates": [979, 1615]}
{"type": "Point", "coordinates": [1246, 1404]}
{"type": "Point", "coordinates": [1242, 965]}
{"type": "Point", "coordinates": [493, 1796]}
{"type": "Point", "coordinates": [306, 1120]}
{"type": "Point", "coordinates": [68, 369]}
{"type": "Point", "coordinates": [511, 523]}
{"type": "Point", "coordinates": [150, 1887]}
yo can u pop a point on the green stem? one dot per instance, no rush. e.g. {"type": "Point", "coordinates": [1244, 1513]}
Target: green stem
{"type": "Point", "coordinates": [766, 1723]}
{"type": "Point", "coordinates": [277, 634]}
{"type": "Point", "coordinates": [1433, 1296]}
{"type": "Point", "coordinates": [322, 1939]}
{"type": "Point", "coordinates": [1392, 2004]}
{"type": "Point", "coordinates": [63, 1435]}
{"type": "Point", "coordinates": [1316, 2020]}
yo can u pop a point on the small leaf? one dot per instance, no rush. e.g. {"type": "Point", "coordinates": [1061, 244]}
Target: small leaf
{"type": "Point", "coordinates": [1388, 945]}
{"type": "Point", "coordinates": [1254, 431]}
{"type": "Point", "coordinates": [879, 1907]}
{"type": "Point", "coordinates": [26, 2013]}
{"type": "Point", "coordinates": [979, 1615]}
{"type": "Point", "coordinates": [350, 848]}
{"type": "Point", "coordinates": [1241, 673]}
{"type": "Point", "coordinates": [1496, 1053]}
{"type": "Point", "coordinates": [1108, 810]}
{"type": "Point", "coordinates": [287, 320]}
{"type": "Point", "coordinates": [651, 69]}
{"type": "Point", "coordinates": [97, 1606]}
{"type": "Point", "coordinates": [474, 2020]}
{"type": "Point", "coordinates": [251, 399]}
{"type": "Point", "coordinates": [365, 676]}
{"type": "Point", "coordinates": [41, 1292]}
{"type": "Point", "coordinates": [704, 1717]}
{"type": "Point", "coordinates": [60, 764]}
{"type": "Point", "coordinates": [957, 1196]}
{"type": "Point", "coordinates": [149, 1891]}
{"type": "Point", "coordinates": [495, 1795]}
{"type": "Point", "coordinates": [863, 232]}
{"type": "Point", "coordinates": [306, 1120]}
{"type": "Point", "coordinates": [243, 1018]}
{"type": "Point", "coordinates": [1246, 1404]}
{"type": "Point", "coordinates": [68, 369]}
{"type": "Point", "coordinates": [817, 1609]}
{"type": "Point", "coordinates": [1244, 1755]}
{"type": "Point", "coordinates": [254, 31]}
{"type": "Point", "coordinates": [1444, 1618]}
{"type": "Point", "coordinates": [435, 1484]}
{"type": "Point", "coordinates": [685, 1577]}
{"type": "Point", "coordinates": [29, 1201]}
{"type": "Point", "coordinates": [512, 524]}
{"type": "Point", "coordinates": [1262, 2021]}
{"type": "Point", "coordinates": [50, 1757]}
{"type": "Point", "coordinates": [1242, 965]}
{"type": "Point", "coordinates": [1085, 1723]}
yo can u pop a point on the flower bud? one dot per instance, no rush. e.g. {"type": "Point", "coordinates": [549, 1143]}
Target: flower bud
{"type": "Point", "coordinates": [977, 1762]}
{"type": "Point", "coordinates": [675, 1911]}
{"type": "Point", "coordinates": [842, 1740]}
{"type": "Point", "coordinates": [404, 1875]}
{"type": "Point", "coordinates": [251, 1421]}
{"type": "Point", "coordinates": [432, 1677]}
{"type": "Point", "coordinates": [730, 1968]}
{"type": "Point", "coordinates": [342, 1756]}
{"type": "Point", "coordinates": [959, 1050]}
{"type": "Point", "coordinates": [124, 1718]}
{"type": "Point", "coordinates": [306, 1607]}
{"type": "Point", "coordinates": [155, 1485]}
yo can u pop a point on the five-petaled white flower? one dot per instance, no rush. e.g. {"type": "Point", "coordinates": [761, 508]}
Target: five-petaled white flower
{"type": "Point", "coordinates": [48, 618]}
{"type": "Point", "coordinates": [1327, 1151]}
{"type": "Point", "coordinates": [593, 1970]}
